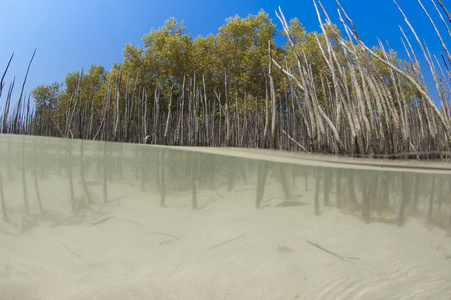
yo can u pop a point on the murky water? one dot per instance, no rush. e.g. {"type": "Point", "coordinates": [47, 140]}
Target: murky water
{"type": "Point", "coordinates": [325, 227]}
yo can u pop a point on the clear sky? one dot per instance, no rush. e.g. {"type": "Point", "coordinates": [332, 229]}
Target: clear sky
{"type": "Point", "coordinates": [71, 35]}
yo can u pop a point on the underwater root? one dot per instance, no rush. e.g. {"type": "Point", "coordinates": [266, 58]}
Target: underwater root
{"type": "Point", "coordinates": [220, 244]}
{"type": "Point", "coordinates": [332, 253]}
{"type": "Point", "coordinates": [73, 252]}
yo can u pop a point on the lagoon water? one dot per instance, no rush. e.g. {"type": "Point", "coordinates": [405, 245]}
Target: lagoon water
{"type": "Point", "coordinates": [98, 220]}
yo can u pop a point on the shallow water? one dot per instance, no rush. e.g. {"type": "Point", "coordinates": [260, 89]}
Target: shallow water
{"type": "Point", "coordinates": [83, 219]}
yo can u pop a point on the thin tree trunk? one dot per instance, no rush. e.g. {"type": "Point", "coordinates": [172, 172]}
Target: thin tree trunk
{"type": "Point", "coordinates": [273, 100]}
{"type": "Point", "coordinates": [165, 138]}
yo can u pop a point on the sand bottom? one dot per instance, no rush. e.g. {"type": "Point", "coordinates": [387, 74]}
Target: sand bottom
{"type": "Point", "coordinates": [134, 249]}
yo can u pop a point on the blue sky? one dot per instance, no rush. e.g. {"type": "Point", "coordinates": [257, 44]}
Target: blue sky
{"type": "Point", "coordinates": [71, 35]}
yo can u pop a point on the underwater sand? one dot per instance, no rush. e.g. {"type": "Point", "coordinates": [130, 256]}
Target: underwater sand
{"type": "Point", "coordinates": [132, 248]}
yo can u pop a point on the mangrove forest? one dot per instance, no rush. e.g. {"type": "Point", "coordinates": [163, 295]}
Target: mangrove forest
{"type": "Point", "coordinates": [325, 91]}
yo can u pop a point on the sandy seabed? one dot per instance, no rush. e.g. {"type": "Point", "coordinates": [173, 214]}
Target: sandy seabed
{"type": "Point", "coordinates": [227, 249]}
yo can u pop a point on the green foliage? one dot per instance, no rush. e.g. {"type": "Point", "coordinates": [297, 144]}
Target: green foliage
{"type": "Point", "coordinates": [242, 50]}
{"type": "Point", "coordinates": [47, 98]}
{"type": "Point", "coordinates": [61, 101]}
{"type": "Point", "coordinates": [168, 51]}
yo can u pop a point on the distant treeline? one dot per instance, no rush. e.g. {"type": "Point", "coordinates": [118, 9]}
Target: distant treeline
{"type": "Point", "coordinates": [320, 92]}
